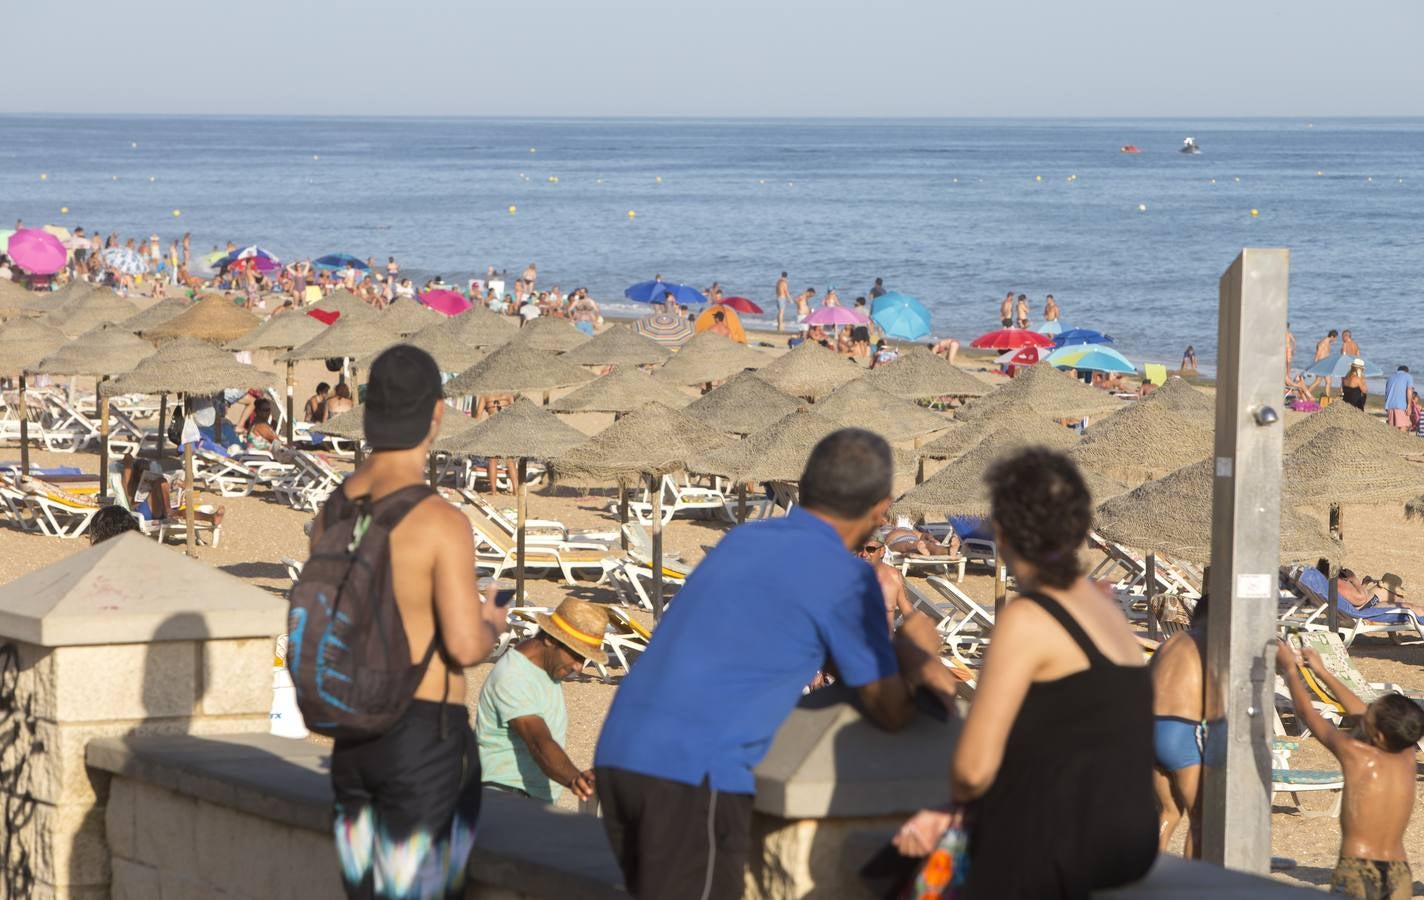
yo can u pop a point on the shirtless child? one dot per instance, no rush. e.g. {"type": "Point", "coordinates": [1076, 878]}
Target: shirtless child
{"type": "Point", "coordinates": [1378, 761]}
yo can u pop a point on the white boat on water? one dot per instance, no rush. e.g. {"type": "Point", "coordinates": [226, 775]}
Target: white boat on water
{"type": "Point", "coordinates": [1190, 146]}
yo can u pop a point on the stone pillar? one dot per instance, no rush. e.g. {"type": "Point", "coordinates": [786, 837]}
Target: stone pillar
{"type": "Point", "coordinates": [126, 638]}
{"type": "Point", "coordinates": [832, 791]}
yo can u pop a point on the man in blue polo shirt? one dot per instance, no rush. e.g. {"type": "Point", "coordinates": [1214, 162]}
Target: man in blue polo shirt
{"type": "Point", "coordinates": [758, 618]}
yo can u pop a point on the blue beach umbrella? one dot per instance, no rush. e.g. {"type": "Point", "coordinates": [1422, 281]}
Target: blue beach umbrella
{"type": "Point", "coordinates": [900, 316]}
{"type": "Point", "coordinates": [339, 261]}
{"type": "Point", "coordinates": [1338, 366]}
{"type": "Point", "coordinates": [1091, 358]}
{"type": "Point", "coordinates": [653, 291]}
{"type": "Point", "coordinates": [1080, 336]}
{"type": "Point", "coordinates": [252, 251]}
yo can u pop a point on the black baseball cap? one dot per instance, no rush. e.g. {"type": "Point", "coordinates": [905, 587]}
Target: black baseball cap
{"type": "Point", "coordinates": [401, 394]}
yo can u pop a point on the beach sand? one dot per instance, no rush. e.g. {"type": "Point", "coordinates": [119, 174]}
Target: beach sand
{"type": "Point", "coordinates": [259, 531]}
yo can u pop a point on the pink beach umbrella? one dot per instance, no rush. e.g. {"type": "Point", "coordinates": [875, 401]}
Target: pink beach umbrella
{"type": "Point", "coordinates": [451, 303]}
{"type": "Point", "coordinates": [835, 315]}
{"type": "Point", "coordinates": [36, 251]}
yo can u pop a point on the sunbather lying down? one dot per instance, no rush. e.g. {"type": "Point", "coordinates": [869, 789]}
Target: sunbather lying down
{"type": "Point", "coordinates": [156, 496]}
{"type": "Point", "coordinates": [902, 537]}
{"type": "Point", "coordinates": [1367, 592]}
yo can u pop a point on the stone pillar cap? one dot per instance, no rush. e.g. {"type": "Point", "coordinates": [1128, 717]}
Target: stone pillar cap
{"type": "Point", "coordinates": [132, 590]}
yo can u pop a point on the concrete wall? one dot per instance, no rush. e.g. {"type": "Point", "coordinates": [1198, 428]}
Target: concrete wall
{"type": "Point", "coordinates": [53, 701]}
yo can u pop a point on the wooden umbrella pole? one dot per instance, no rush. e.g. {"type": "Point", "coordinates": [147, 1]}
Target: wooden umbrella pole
{"type": "Point", "coordinates": [291, 408]}
{"type": "Point", "coordinates": [24, 429]}
{"type": "Point", "coordinates": [741, 502]}
{"type": "Point", "coordinates": [356, 398]}
{"type": "Point", "coordinates": [622, 514]}
{"type": "Point", "coordinates": [162, 425]}
{"type": "Point", "coordinates": [1153, 626]}
{"type": "Point", "coordinates": [521, 507]}
{"type": "Point", "coordinates": [103, 438]}
{"type": "Point", "coordinates": [655, 485]}
{"type": "Point", "coordinates": [189, 506]}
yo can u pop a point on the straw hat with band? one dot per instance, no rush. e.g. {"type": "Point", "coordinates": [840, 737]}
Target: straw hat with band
{"type": "Point", "coordinates": [578, 625]}
{"type": "Point", "coordinates": [1357, 364]}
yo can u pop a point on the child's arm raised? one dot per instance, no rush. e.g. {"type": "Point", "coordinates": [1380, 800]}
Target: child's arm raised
{"type": "Point", "coordinates": [1352, 704]}
{"type": "Point", "coordinates": [1305, 711]}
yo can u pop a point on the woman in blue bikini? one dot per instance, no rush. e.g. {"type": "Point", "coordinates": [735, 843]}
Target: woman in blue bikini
{"type": "Point", "coordinates": [1178, 731]}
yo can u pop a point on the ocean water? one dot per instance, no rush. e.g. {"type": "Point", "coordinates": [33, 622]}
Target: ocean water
{"type": "Point", "coordinates": [955, 212]}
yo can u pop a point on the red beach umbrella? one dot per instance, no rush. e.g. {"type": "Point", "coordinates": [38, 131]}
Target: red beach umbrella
{"type": "Point", "coordinates": [450, 303]}
{"type": "Point", "coordinates": [36, 251]}
{"type": "Point", "coordinates": [1011, 339]}
{"type": "Point", "coordinates": [740, 304]}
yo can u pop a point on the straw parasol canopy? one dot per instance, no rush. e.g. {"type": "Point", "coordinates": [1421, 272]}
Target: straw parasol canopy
{"type": "Point", "coordinates": [280, 332]}
{"type": "Point", "coordinates": [1333, 468]}
{"type": "Point", "coordinates": [352, 424]}
{"type": "Point", "coordinates": [1018, 423]}
{"type": "Point", "coordinates": [155, 315]}
{"type": "Point", "coordinates": [1371, 436]}
{"type": "Point", "coordinates": [188, 366]}
{"type": "Point", "coordinates": [1414, 509]}
{"type": "Point", "coordinates": [1186, 401]}
{"type": "Point", "coordinates": [523, 430]}
{"type": "Point", "coordinates": [920, 374]}
{"type": "Point", "coordinates": [47, 301]}
{"type": "Point", "coordinates": [618, 346]}
{"type": "Point", "coordinates": [14, 300]}
{"type": "Point", "coordinates": [480, 327]}
{"type": "Point", "coordinates": [103, 351]}
{"type": "Point", "coordinates": [215, 319]}
{"type": "Point", "coordinates": [860, 404]}
{"type": "Point", "coordinates": [88, 310]}
{"type": "Point", "coordinates": [406, 317]}
{"type": "Point", "coordinates": [441, 342]}
{"type": "Point", "coordinates": [346, 303]}
{"type": "Point", "coordinates": [810, 371]}
{"type": "Point", "coordinates": [1045, 390]}
{"type": "Point", "coordinates": [514, 368]}
{"type": "Point", "coordinates": [709, 357]}
{"type": "Point", "coordinates": [350, 338]}
{"type": "Point", "coordinates": [742, 405]}
{"type": "Point", "coordinates": [24, 342]}
{"type": "Point", "coordinates": [959, 489]}
{"type": "Point", "coordinates": [653, 440]}
{"type": "Point", "coordinates": [775, 453]}
{"type": "Point", "coordinates": [1173, 515]}
{"type": "Point", "coordinates": [550, 335]}
{"type": "Point", "coordinates": [623, 390]}
{"type": "Point", "coordinates": [1141, 442]}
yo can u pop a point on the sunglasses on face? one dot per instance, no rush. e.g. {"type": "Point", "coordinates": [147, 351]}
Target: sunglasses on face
{"type": "Point", "coordinates": [872, 548]}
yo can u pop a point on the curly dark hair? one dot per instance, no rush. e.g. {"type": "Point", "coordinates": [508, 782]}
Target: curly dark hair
{"type": "Point", "coordinates": [1400, 721]}
{"type": "Point", "coordinates": [110, 521]}
{"type": "Point", "coordinates": [1044, 511]}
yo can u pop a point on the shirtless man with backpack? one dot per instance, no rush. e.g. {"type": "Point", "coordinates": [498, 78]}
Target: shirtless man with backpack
{"type": "Point", "coordinates": [383, 621]}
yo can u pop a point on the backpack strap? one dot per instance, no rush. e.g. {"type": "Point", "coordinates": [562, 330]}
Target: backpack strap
{"type": "Point", "coordinates": [1070, 625]}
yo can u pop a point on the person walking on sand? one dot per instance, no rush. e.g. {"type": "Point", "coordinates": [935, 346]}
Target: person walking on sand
{"type": "Point", "coordinates": [803, 303]}
{"type": "Point", "coordinates": [783, 297]}
{"type": "Point", "coordinates": [1377, 759]}
{"type": "Point", "coordinates": [698, 711]}
{"type": "Point", "coordinates": [1397, 391]}
{"type": "Point", "coordinates": [407, 801]}
{"type": "Point", "coordinates": [1006, 311]}
{"type": "Point", "coordinates": [1323, 347]}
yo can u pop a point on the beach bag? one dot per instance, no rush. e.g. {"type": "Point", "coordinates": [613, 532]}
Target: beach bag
{"type": "Point", "coordinates": [945, 871]}
{"type": "Point", "coordinates": [347, 651]}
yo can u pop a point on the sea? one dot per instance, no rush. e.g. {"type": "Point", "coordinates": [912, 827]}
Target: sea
{"type": "Point", "coordinates": [952, 211]}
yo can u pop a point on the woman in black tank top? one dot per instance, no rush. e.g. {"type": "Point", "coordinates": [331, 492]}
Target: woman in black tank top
{"type": "Point", "coordinates": [1063, 803]}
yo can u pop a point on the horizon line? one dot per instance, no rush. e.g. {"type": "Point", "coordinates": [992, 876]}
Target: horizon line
{"type": "Point", "coordinates": [715, 117]}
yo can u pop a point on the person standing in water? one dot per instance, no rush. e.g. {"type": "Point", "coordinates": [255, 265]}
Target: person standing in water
{"type": "Point", "coordinates": [783, 297]}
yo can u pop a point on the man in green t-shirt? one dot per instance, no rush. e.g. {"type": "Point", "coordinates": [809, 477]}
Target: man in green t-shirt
{"type": "Point", "coordinates": [521, 721]}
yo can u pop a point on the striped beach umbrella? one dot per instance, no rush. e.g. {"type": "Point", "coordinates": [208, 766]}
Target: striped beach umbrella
{"type": "Point", "coordinates": [668, 329]}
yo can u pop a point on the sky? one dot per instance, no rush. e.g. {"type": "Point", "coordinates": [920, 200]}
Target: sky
{"type": "Point", "coordinates": [729, 58]}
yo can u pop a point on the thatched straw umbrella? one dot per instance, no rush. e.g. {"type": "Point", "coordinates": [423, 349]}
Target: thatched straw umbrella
{"type": "Point", "coordinates": [523, 431]}
{"type": "Point", "coordinates": [1414, 509]}
{"type": "Point", "coordinates": [550, 335]}
{"type": "Point", "coordinates": [24, 342]}
{"type": "Point", "coordinates": [1173, 515]}
{"type": "Point", "coordinates": [103, 353]}
{"type": "Point", "coordinates": [282, 332]}
{"type": "Point", "coordinates": [444, 346]}
{"type": "Point", "coordinates": [479, 327]}
{"type": "Point", "coordinates": [919, 374]}
{"type": "Point", "coordinates": [1181, 398]}
{"type": "Point", "coordinates": [215, 319]}
{"type": "Point", "coordinates": [777, 452]}
{"type": "Point", "coordinates": [155, 315]}
{"type": "Point", "coordinates": [1045, 390]}
{"type": "Point", "coordinates": [1144, 441]}
{"type": "Point", "coordinates": [46, 302]}
{"type": "Point", "coordinates": [1027, 427]}
{"type": "Point", "coordinates": [1371, 436]}
{"type": "Point", "coordinates": [14, 300]}
{"type": "Point", "coordinates": [959, 488]}
{"type": "Point", "coordinates": [347, 304]}
{"type": "Point", "coordinates": [623, 390]}
{"type": "Point", "coordinates": [192, 367]}
{"type": "Point", "coordinates": [352, 424]}
{"type": "Point", "coordinates": [743, 405]}
{"type": "Point", "coordinates": [350, 339]}
{"type": "Point", "coordinates": [649, 442]}
{"type": "Point", "coordinates": [810, 371]}
{"type": "Point", "coordinates": [406, 317]}
{"type": "Point", "coordinates": [87, 310]}
{"type": "Point", "coordinates": [709, 357]}
{"type": "Point", "coordinates": [860, 404]}
{"type": "Point", "coordinates": [516, 368]}
{"type": "Point", "coordinates": [618, 345]}
{"type": "Point", "coordinates": [1337, 466]}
